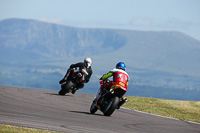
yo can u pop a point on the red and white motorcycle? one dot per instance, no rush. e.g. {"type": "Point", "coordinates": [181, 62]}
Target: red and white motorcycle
{"type": "Point", "coordinates": [111, 99]}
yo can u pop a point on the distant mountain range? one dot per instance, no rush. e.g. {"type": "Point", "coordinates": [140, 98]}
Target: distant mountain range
{"type": "Point", "coordinates": [37, 54]}
{"type": "Point", "coordinates": [54, 41]}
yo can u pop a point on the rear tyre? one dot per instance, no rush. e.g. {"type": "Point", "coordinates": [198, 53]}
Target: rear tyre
{"type": "Point", "coordinates": [93, 108]}
{"type": "Point", "coordinates": [66, 88]}
{"type": "Point", "coordinates": [110, 108]}
{"type": "Point", "coordinates": [62, 92]}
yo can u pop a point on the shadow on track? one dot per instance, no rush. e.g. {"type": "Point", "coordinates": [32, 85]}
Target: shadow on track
{"type": "Point", "coordinates": [55, 94]}
{"type": "Point", "coordinates": [81, 112]}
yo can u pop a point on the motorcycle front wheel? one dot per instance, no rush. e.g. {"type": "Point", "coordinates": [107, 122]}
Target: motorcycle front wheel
{"type": "Point", "coordinates": [112, 105]}
{"type": "Point", "coordinates": [93, 108]}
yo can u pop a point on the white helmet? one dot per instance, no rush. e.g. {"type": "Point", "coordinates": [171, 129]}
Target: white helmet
{"type": "Point", "coordinates": [88, 61]}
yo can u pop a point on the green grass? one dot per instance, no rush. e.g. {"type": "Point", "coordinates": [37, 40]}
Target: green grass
{"type": "Point", "coordinates": [13, 129]}
{"type": "Point", "coordinates": [183, 110]}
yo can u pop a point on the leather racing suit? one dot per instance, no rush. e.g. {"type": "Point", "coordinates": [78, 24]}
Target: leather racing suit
{"type": "Point", "coordinates": [80, 66]}
{"type": "Point", "coordinates": [120, 78]}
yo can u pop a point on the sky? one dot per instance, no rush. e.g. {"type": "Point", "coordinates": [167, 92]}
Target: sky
{"type": "Point", "coordinates": [145, 15]}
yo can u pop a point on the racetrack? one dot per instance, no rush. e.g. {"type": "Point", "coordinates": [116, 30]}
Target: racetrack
{"type": "Point", "coordinates": [45, 109]}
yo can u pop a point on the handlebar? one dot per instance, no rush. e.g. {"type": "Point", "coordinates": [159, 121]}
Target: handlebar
{"type": "Point", "coordinates": [105, 81]}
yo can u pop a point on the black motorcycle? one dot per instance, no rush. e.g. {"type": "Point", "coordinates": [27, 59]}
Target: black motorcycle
{"type": "Point", "coordinates": [74, 81]}
{"type": "Point", "coordinates": [110, 100]}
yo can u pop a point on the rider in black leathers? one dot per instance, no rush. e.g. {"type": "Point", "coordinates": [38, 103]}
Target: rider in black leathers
{"type": "Point", "coordinates": [81, 65]}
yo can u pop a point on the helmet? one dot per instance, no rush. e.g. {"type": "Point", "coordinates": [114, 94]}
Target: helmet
{"type": "Point", "coordinates": [121, 65]}
{"type": "Point", "coordinates": [88, 61]}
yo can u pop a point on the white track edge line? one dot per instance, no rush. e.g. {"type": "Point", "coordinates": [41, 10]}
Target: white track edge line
{"type": "Point", "coordinates": [159, 115]}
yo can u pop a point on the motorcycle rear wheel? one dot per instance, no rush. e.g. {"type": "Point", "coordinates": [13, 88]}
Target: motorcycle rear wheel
{"type": "Point", "coordinates": [66, 88]}
{"type": "Point", "coordinates": [110, 108]}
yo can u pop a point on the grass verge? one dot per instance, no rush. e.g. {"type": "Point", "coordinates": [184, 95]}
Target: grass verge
{"type": "Point", "coordinates": [183, 110]}
{"type": "Point", "coordinates": [13, 129]}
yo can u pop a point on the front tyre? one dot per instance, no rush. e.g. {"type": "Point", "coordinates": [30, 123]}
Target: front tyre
{"type": "Point", "coordinates": [93, 108]}
{"type": "Point", "coordinates": [110, 108]}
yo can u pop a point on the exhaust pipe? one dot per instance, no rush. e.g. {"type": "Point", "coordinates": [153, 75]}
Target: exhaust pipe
{"type": "Point", "coordinates": [122, 102]}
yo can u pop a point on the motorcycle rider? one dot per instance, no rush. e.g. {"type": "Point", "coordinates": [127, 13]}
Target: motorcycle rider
{"type": "Point", "coordinates": [81, 65]}
{"type": "Point", "coordinates": [120, 78]}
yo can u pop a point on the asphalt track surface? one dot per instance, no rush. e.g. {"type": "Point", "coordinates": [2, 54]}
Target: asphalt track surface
{"type": "Point", "coordinates": [45, 109]}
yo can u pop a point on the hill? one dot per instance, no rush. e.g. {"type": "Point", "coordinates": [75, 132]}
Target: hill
{"type": "Point", "coordinates": [45, 40]}
{"type": "Point", "coordinates": [37, 54]}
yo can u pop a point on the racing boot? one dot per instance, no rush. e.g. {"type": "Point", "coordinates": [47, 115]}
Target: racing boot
{"type": "Point", "coordinates": [62, 81]}
{"type": "Point", "coordinates": [66, 76]}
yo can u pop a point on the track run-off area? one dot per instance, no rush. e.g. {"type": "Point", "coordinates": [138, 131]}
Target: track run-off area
{"type": "Point", "coordinates": [45, 109]}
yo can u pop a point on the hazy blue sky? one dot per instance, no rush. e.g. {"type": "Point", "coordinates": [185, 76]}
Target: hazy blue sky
{"type": "Point", "coordinates": [178, 15]}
